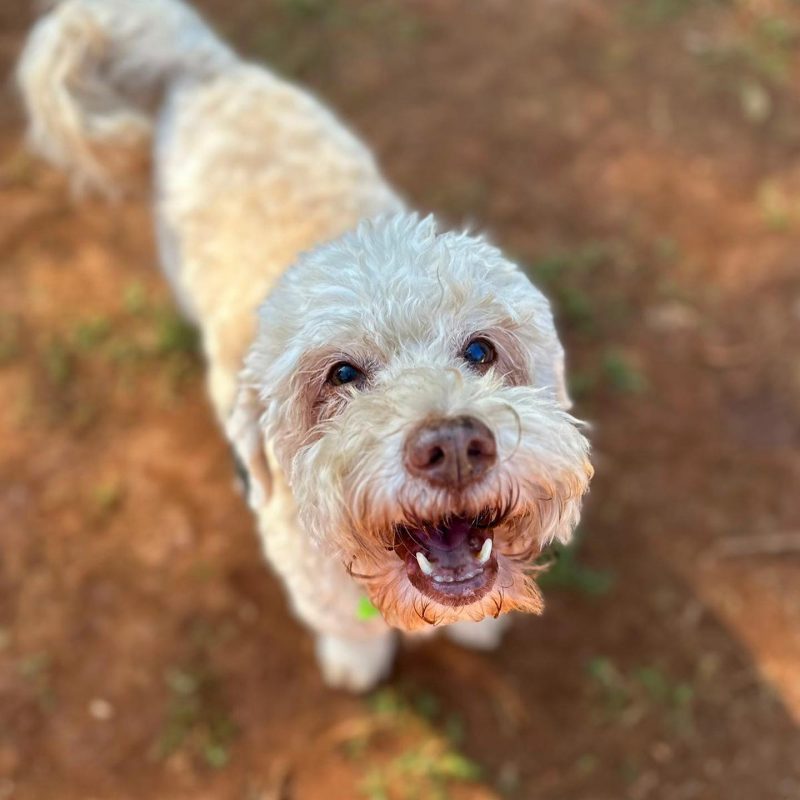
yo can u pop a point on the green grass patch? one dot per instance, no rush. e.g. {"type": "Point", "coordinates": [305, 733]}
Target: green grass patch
{"type": "Point", "coordinates": [660, 12]}
{"type": "Point", "coordinates": [91, 333]}
{"type": "Point", "coordinates": [58, 362]}
{"type": "Point", "coordinates": [621, 374]}
{"type": "Point", "coordinates": [107, 496]}
{"type": "Point", "coordinates": [628, 696]}
{"type": "Point", "coordinates": [35, 670]}
{"type": "Point", "coordinates": [564, 571]}
{"type": "Point", "coordinates": [765, 52]}
{"type": "Point", "coordinates": [10, 338]}
{"type": "Point", "coordinates": [134, 298]}
{"type": "Point", "coordinates": [174, 335]}
{"type": "Point", "coordinates": [197, 720]}
{"type": "Point", "coordinates": [778, 210]}
{"type": "Point", "coordinates": [423, 740]}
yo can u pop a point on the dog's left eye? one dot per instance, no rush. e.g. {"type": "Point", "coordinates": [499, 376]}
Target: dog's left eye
{"type": "Point", "coordinates": [479, 352]}
{"type": "Point", "coordinates": [343, 373]}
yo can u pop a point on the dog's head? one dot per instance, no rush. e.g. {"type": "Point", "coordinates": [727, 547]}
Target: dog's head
{"type": "Point", "coordinates": [411, 386]}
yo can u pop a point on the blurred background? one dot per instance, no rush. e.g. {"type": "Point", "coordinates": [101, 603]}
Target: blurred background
{"type": "Point", "coordinates": [642, 159]}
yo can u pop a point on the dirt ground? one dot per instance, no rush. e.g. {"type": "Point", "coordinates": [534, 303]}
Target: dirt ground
{"type": "Point", "coordinates": [642, 158]}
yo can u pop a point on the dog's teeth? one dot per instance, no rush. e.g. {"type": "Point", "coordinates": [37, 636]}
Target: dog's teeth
{"type": "Point", "coordinates": [424, 564]}
{"type": "Point", "coordinates": [485, 552]}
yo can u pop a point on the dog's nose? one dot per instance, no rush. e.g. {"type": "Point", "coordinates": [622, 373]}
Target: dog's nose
{"type": "Point", "coordinates": [451, 452]}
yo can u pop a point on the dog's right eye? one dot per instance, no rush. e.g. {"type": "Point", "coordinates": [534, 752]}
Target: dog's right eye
{"type": "Point", "coordinates": [343, 373]}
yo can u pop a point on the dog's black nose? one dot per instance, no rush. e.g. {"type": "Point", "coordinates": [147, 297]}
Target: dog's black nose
{"type": "Point", "coordinates": [451, 452]}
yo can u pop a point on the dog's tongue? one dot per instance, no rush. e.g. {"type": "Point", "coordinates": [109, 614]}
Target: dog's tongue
{"type": "Point", "coordinates": [451, 561]}
{"type": "Point", "coordinates": [446, 538]}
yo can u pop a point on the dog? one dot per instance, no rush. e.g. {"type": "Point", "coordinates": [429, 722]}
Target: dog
{"type": "Point", "coordinates": [395, 393]}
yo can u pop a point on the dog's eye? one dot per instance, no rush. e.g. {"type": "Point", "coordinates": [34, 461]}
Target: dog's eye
{"type": "Point", "coordinates": [479, 352]}
{"type": "Point", "coordinates": [343, 373]}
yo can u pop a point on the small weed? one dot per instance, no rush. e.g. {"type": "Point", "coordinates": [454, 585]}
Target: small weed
{"type": "Point", "coordinates": [58, 363]}
{"type": "Point", "coordinates": [122, 351]}
{"type": "Point", "coordinates": [454, 730]}
{"type": "Point", "coordinates": [90, 333]}
{"type": "Point", "coordinates": [611, 684]}
{"type": "Point", "coordinates": [621, 374]}
{"type": "Point", "coordinates": [581, 384]}
{"type": "Point", "coordinates": [309, 9]}
{"type": "Point", "coordinates": [196, 720]}
{"type": "Point", "coordinates": [34, 666]}
{"type": "Point", "coordinates": [424, 770]}
{"type": "Point", "coordinates": [35, 670]}
{"type": "Point", "coordinates": [174, 334]}
{"type": "Point", "coordinates": [629, 770]}
{"type": "Point", "coordinates": [10, 338]}
{"type": "Point", "coordinates": [375, 785]}
{"type": "Point", "coordinates": [134, 299]}
{"type": "Point", "coordinates": [427, 705]}
{"type": "Point", "coordinates": [571, 278]}
{"type": "Point", "coordinates": [629, 696]}
{"type": "Point", "coordinates": [566, 573]}
{"type": "Point", "coordinates": [777, 209]}
{"type": "Point", "coordinates": [107, 496]}
{"type": "Point", "coordinates": [764, 53]}
{"type": "Point", "coordinates": [772, 47]}
{"type": "Point", "coordinates": [587, 764]}
{"type": "Point", "coordinates": [463, 197]}
{"type": "Point", "coordinates": [386, 702]}
{"type": "Point", "coordinates": [428, 762]}
{"type": "Point", "coordinates": [576, 308]}
{"type": "Point", "coordinates": [660, 12]}
{"type": "Point", "coordinates": [666, 250]}
{"type": "Point", "coordinates": [552, 270]}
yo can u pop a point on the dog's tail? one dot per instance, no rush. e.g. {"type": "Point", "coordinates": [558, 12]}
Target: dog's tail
{"type": "Point", "coordinates": [94, 72]}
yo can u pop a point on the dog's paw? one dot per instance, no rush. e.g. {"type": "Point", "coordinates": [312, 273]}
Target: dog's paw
{"type": "Point", "coordinates": [484, 635]}
{"type": "Point", "coordinates": [356, 665]}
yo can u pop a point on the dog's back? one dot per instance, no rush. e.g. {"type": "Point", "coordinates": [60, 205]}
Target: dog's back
{"type": "Point", "coordinates": [250, 170]}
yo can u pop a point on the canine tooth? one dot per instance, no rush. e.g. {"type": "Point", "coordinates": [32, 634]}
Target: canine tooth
{"type": "Point", "coordinates": [424, 564]}
{"type": "Point", "coordinates": [485, 552]}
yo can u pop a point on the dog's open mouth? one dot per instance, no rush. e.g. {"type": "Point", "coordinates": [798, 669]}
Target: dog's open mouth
{"type": "Point", "coordinates": [452, 561]}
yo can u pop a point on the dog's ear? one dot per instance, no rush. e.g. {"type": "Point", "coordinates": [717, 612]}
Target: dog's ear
{"type": "Point", "coordinates": [556, 376]}
{"type": "Point", "coordinates": [245, 434]}
{"type": "Point", "coordinates": [560, 374]}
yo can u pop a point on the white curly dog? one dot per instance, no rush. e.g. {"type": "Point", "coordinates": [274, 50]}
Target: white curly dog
{"type": "Point", "coordinates": [398, 399]}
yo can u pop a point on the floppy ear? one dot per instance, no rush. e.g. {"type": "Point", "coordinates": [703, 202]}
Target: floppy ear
{"type": "Point", "coordinates": [245, 434]}
{"type": "Point", "coordinates": [552, 371]}
{"type": "Point", "coordinates": [560, 376]}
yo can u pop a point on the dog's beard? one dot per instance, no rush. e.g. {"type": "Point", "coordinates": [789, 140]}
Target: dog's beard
{"type": "Point", "coordinates": [462, 558]}
{"type": "Point", "coordinates": [443, 567]}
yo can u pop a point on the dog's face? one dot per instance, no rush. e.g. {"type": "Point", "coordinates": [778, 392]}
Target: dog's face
{"type": "Point", "coordinates": [411, 387]}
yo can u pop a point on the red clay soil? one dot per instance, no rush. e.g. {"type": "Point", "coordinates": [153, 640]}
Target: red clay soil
{"type": "Point", "coordinates": [643, 159]}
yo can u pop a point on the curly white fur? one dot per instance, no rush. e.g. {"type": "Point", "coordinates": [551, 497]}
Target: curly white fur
{"type": "Point", "coordinates": [262, 193]}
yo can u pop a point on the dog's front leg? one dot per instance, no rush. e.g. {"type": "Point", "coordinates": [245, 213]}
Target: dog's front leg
{"type": "Point", "coordinates": [484, 635]}
{"type": "Point", "coordinates": [356, 665]}
{"type": "Point", "coordinates": [354, 652]}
